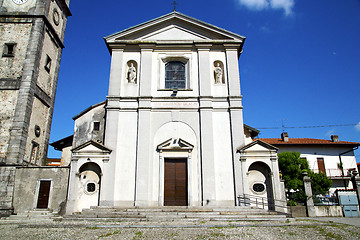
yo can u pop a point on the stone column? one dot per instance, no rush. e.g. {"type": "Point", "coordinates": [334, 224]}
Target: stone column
{"type": "Point", "coordinates": [310, 207]}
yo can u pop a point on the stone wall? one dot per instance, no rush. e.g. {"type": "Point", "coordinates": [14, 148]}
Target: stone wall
{"type": "Point", "coordinates": [7, 181]}
{"type": "Point", "coordinates": [7, 108]}
{"type": "Point", "coordinates": [328, 211]}
{"type": "Point", "coordinates": [27, 183]}
{"type": "Point", "coordinates": [11, 69]}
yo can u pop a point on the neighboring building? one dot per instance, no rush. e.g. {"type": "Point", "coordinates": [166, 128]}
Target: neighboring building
{"type": "Point", "coordinates": [325, 156]}
{"type": "Point", "coordinates": [64, 145]}
{"type": "Point", "coordinates": [54, 162]}
{"type": "Point", "coordinates": [31, 43]}
{"type": "Point", "coordinates": [171, 131]}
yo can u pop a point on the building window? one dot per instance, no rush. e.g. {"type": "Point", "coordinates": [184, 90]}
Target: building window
{"type": "Point", "coordinates": [321, 165]}
{"type": "Point", "coordinates": [34, 152]}
{"type": "Point", "coordinates": [259, 187]}
{"type": "Point", "coordinates": [90, 187]}
{"type": "Point", "coordinates": [9, 49]}
{"type": "Point", "coordinates": [47, 64]}
{"type": "Point", "coordinates": [175, 75]}
{"type": "Point", "coordinates": [96, 126]}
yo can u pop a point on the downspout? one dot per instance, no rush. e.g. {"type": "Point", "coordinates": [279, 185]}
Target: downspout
{"type": "Point", "coordinates": [341, 164]}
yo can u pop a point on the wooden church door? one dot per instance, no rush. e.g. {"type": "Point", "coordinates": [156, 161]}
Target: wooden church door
{"type": "Point", "coordinates": [175, 182]}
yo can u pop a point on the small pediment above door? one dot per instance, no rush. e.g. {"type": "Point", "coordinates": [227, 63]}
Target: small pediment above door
{"type": "Point", "coordinates": [91, 147]}
{"type": "Point", "coordinates": [175, 144]}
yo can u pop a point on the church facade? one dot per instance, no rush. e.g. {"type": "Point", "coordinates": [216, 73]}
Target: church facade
{"type": "Point", "coordinates": [171, 131]}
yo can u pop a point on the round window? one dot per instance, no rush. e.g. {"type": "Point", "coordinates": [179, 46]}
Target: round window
{"type": "Point", "coordinates": [259, 187]}
{"type": "Point", "coordinates": [90, 187]}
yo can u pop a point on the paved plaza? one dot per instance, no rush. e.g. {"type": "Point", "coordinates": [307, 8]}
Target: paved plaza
{"type": "Point", "coordinates": [291, 228]}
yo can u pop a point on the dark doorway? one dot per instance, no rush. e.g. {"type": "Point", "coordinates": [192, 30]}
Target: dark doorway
{"type": "Point", "coordinates": [175, 182]}
{"type": "Point", "coordinates": [44, 193]}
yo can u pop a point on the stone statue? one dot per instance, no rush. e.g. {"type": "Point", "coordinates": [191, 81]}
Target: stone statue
{"type": "Point", "coordinates": [132, 73]}
{"type": "Point", "coordinates": [218, 73]}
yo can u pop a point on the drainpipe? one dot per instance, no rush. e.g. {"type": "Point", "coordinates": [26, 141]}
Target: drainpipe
{"type": "Point", "coordinates": [342, 167]}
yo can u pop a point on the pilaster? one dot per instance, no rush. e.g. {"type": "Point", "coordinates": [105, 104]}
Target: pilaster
{"type": "Point", "coordinates": [207, 157]}
{"type": "Point", "coordinates": [116, 71]}
{"type": "Point", "coordinates": [204, 65]}
{"type": "Point", "coordinates": [145, 77]}
{"type": "Point", "coordinates": [231, 51]}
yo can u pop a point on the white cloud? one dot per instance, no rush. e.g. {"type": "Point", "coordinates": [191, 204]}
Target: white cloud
{"type": "Point", "coordinates": [357, 126]}
{"type": "Point", "coordinates": [255, 4]}
{"type": "Point", "coordinates": [329, 133]}
{"type": "Point", "coordinates": [286, 5]}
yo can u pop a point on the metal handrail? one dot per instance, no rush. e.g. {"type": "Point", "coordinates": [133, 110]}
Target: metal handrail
{"type": "Point", "coordinates": [263, 202]}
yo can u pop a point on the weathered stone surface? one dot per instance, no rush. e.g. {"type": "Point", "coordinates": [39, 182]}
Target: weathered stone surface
{"type": "Point", "coordinates": [27, 187]}
{"type": "Point", "coordinates": [7, 108]}
{"type": "Point", "coordinates": [7, 182]}
{"type": "Point", "coordinates": [12, 67]}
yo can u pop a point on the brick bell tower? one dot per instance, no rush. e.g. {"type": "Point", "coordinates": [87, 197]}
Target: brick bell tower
{"type": "Point", "coordinates": [31, 42]}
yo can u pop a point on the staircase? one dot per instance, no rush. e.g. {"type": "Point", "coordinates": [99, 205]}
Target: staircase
{"type": "Point", "coordinates": [36, 214]}
{"type": "Point", "coordinates": [174, 214]}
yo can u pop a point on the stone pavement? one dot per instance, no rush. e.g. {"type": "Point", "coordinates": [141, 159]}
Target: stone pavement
{"type": "Point", "coordinates": [290, 228]}
{"type": "Point", "coordinates": [354, 221]}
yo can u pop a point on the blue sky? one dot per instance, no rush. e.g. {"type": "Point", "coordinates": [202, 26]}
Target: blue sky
{"type": "Point", "coordinates": [300, 65]}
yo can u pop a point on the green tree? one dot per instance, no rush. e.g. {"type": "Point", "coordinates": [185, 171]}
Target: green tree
{"type": "Point", "coordinates": [292, 168]}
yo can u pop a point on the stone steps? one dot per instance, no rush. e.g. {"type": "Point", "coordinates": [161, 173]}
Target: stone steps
{"type": "Point", "coordinates": [34, 215]}
{"type": "Point", "coordinates": [171, 214]}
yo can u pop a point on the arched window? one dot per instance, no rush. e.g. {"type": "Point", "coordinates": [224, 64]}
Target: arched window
{"type": "Point", "coordinates": [175, 75]}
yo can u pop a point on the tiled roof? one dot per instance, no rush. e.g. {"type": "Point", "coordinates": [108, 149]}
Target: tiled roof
{"type": "Point", "coordinates": [306, 141]}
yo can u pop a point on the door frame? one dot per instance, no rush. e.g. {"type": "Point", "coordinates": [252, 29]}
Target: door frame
{"type": "Point", "coordinates": [37, 191]}
{"type": "Point", "coordinates": [178, 155]}
{"type": "Point", "coordinates": [187, 177]}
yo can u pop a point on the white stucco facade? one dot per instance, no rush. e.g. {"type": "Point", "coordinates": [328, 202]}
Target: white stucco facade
{"type": "Point", "coordinates": [174, 104]}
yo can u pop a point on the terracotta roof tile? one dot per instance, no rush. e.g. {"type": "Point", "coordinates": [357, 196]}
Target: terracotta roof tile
{"type": "Point", "coordinates": [307, 141]}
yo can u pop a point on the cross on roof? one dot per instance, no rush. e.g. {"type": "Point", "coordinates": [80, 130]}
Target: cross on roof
{"type": "Point", "coordinates": [174, 3]}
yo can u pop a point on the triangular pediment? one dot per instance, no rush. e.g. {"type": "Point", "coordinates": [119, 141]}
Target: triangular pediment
{"type": "Point", "coordinates": [174, 26]}
{"type": "Point", "coordinates": [257, 145]}
{"type": "Point", "coordinates": [91, 147]}
{"type": "Point", "coordinates": [173, 32]}
{"type": "Point", "coordinates": [175, 144]}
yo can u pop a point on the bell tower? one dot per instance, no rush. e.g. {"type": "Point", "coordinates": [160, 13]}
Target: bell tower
{"type": "Point", "coordinates": [31, 43]}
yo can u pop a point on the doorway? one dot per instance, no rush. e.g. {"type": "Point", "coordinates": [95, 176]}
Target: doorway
{"type": "Point", "coordinates": [44, 194]}
{"type": "Point", "coordinates": [175, 182]}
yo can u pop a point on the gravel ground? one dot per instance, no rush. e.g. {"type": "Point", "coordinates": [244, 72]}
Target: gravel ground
{"type": "Point", "coordinates": [289, 229]}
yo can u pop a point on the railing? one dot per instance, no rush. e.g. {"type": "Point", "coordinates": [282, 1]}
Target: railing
{"type": "Point", "coordinates": [265, 203]}
{"type": "Point", "coordinates": [326, 201]}
{"type": "Point", "coordinates": [335, 172]}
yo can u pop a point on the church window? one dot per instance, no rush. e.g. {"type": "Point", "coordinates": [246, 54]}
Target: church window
{"type": "Point", "coordinates": [9, 49]}
{"type": "Point", "coordinates": [47, 63]}
{"type": "Point", "coordinates": [96, 126]}
{"type": "Point", "coordinates": [175, 75]}
{"type": "Point", "coordinates": [259, 187]}
{"type": "Point", "coordinates": [90, 187]}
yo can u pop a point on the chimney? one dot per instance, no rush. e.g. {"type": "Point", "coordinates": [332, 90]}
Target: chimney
{"type": "Point", "coordinates": [334, 138]}
{"type": "Point", "coordinates": [285, 136]}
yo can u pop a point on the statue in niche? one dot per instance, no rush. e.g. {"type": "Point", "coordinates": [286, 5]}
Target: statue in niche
{"type": "Point", "coordinates": [218, 73]}
{"type": "Point", "coordinates": [131, 74]}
